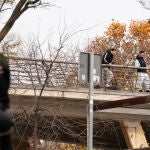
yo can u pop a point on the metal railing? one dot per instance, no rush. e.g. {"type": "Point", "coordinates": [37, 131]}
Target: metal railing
{"type": "Point", "coordinates": [26, 72]}
{"type": "Point", "coordinates": [125, 78]}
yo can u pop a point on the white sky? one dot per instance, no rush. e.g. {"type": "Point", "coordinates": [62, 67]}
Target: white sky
{"type": "Point", "coordinates": [83, 13]}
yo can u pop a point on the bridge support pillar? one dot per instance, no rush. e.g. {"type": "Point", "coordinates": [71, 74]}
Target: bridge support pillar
{"type": "Point", "coordinates": [134, 134]}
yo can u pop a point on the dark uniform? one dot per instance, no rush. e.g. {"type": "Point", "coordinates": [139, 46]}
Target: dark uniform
{"type": "Point", "coordinates": [4, 82]}
{"type": "Point", "coordinates": [6, 125]}
{"type": "Point", "coordinates": [6, 129]}
{"type": "Point", "coordinates": [142, 63]}
{"type": "Point", "coordinates": [107, 57]}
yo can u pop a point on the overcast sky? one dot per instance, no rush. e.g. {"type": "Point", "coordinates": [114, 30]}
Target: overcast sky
{"type": "Point", "coordinates": [82, 13]}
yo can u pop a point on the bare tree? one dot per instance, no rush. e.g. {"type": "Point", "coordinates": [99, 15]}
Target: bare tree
{"type": "Point", "coordinates": [41, 69]}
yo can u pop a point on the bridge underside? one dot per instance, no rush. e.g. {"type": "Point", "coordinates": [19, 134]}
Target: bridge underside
{"type": "Point", "coordinates": [107, 133]}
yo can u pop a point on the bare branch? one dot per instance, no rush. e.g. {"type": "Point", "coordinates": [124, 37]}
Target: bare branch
{"type": "Point", "coordinates": [4, 1]}
{"type": "Point", "coordinates": [20, 8]}
{"type": "Point", "coordinates": [145, 4]}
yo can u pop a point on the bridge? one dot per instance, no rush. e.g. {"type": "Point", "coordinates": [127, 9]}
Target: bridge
{"type": "Point", "coordinates": [48, 102]}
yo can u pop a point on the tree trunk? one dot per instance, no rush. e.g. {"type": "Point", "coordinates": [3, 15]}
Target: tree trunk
{"type": "Point", "coordinates": [15, 15]}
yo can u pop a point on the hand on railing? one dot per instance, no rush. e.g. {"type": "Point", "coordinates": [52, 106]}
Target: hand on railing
{"type": "Point", "coordinates": [110, 64]}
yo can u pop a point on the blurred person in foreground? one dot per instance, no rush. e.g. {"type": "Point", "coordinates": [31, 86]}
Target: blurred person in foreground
{"type": "Point", "coordinates": [6, 125]}
{"type": "Point", "coordinates": [142, 75]}
{"type": "Point", "coordinates": [4, 82]}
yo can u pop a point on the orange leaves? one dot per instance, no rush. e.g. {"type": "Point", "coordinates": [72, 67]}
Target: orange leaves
{"type": "Point", "coordinates": [116, 29]}
{"type": "Point", "coordinates": [128, 39]}
{"type": "Point", "coordinates": [98, 45]}
{"type": "Point", "coordinates": [140, 30]}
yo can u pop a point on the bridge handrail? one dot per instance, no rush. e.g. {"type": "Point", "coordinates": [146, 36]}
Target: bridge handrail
{"type": "Point", "coordinates": [64, 62]}
{"type": "Point", "coordinates": [123, 66]}
{"type": "Point", "coordinates": [25, 71]}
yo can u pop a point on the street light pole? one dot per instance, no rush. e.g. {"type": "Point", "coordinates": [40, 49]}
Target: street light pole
{"type": "Point", "coordinates": [90, 105]}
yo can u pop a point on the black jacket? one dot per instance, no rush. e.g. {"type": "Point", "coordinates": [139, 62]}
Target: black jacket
{"type": "Point", "coordinates": [107, 57]}
{"type": "Point", "coordinates": [4, 81]}
{"type": "Point", "coordinates": [142, 64]}
{"type": "Point", "coordinates": [6, 127]}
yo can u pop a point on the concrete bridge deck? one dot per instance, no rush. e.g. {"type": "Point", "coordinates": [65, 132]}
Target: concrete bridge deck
{"type": "Point", "coordinates": [74, 102]}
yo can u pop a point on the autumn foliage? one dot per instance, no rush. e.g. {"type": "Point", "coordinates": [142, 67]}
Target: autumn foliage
{"type": "Point", "coordinates": [116, 29]}
{"type": "Point", "coordinates": [140, 30]}
{"type": "Point", "coordinates": [128, 40]}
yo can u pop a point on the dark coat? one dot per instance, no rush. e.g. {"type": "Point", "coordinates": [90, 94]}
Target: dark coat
{"type": "Point", "coordinates": [4, 81]}
{"type": "Point", "coordinates": [6, 126]}
{"type": "Point", "coordinates": [107, 57]}
{"type": "Point", "coordinates": [142, 64]}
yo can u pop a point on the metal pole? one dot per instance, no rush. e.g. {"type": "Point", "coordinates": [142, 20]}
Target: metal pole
{"type": "Point", "coordinates": [90, 106]}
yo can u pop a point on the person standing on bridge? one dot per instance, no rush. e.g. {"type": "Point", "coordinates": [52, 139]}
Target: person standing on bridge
{"type": "Point", "coordinates": [142, 73]}
{"type": "Point", "coordinates": [4, 82]}
{"type": "Point", "coordinates": [108, 59]}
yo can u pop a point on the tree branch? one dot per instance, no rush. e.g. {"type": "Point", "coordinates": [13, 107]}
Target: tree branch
{"type": "Point", "coordinates": [2, 5]}
{"type": "Point", "coordinates": [21, 7]}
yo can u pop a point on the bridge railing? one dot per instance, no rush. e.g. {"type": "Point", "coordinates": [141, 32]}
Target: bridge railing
{"type": "Point", "coordinates": [32, 73]}
{"type": "Point", "coordinates": [125, 78]}
{"type": "Point", "coordinates": [26, 72]}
